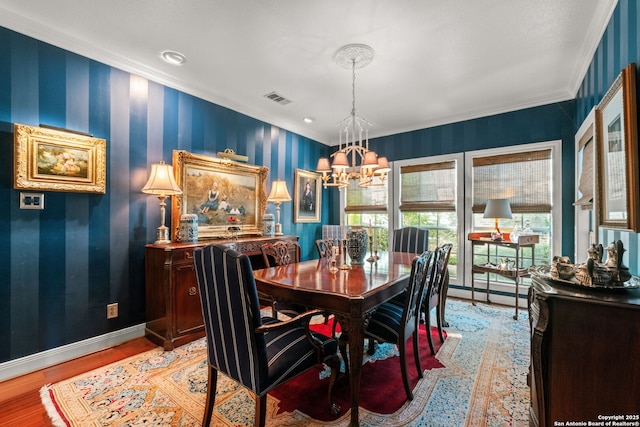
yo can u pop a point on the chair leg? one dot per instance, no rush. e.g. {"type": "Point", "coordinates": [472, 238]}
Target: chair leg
{"type": "Point", "coordinates": [334, 363]}
{"type": "Point", "coordinates": [343, 341]}
{"type": "Point", "coordinates": [261, 411]}
{"type": "Point", "coordinates": [427, 325]}
{"type": "Point", "coordinates": [439, 321]}
{"type": "Point", "coordinates": [211, 396]}
{"type": "Point", "coordinates": [416, 349]}
{"type": "Point", "coordinates": [403, 368]}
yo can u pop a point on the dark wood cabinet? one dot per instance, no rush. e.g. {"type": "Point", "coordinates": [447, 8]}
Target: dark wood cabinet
{"type": "Point", "coordinates": [585, 350]}
{"type": "Point", "coordinates": [173, 312]}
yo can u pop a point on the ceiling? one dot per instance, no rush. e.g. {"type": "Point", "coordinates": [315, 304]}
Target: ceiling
{"type": "Point", "coordinates": [435, 61]}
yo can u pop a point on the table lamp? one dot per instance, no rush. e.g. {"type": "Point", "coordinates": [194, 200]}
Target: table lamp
{"type": "Point", "coordinates": [162, 184]}
{"type": "Point", "coordinates": [497, 208]}
{"type": "Point", "coordinates": [279, 194]}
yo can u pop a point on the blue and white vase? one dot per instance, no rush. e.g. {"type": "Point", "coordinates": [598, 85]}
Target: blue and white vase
{"type": "Point", "coordinates": [188, 231]}
{"type": "Point", "coordinates": [357, 239]}
{"type": "Point", "coordinates": [268, 225]}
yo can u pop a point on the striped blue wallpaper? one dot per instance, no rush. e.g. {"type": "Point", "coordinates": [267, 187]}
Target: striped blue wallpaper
{"type": "Point", "coordinates": [60, 267]}
{"type": "Point", "coordinates": [618, 47]}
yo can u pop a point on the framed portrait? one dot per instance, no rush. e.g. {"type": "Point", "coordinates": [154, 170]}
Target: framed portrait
{"type": "Point", "coordinates": [223, 194]}
{"type": "Point", "coordinates": [58, 160]}
{"type": "Point", "coordinates": [617, 152]}
{"type": "Point", "coordinates": [308, 196]}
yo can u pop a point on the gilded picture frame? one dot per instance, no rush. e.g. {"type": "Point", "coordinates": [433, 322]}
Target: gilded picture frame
{"type": "Point", "coordinates": [618, 179]}
{"type": "Point", "coordinates": [51, 159]}
{"type": "Point", "coordinates": [307, 199]}
{"type": "Point", "coordinates": [225, 195]}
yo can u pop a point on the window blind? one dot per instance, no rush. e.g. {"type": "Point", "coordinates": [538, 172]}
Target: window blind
{"type": "Point", "coordinates": [524, 178]}
{"type": "Point", "coordinates": [366, 199]}
{"type": "Point", "coordinates": [428, 187]}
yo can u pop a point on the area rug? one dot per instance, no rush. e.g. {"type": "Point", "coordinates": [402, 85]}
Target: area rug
{"type": "Point", "coordinates": [478, 378]}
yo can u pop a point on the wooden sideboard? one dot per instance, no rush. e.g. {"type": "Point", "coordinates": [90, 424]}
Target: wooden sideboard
{"type": "Point", "coordinates": [173, 311]}
{"type": "Point", "coordinates": [585, 346]}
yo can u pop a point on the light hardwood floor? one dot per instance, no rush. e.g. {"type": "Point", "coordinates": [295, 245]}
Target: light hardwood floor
{"type": "Point", "coordinates": [20, 397]}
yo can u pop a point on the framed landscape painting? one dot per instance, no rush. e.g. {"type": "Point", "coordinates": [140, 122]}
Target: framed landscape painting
{"type": "Point", "coordinates": [308, 196]}
{"type": "Point", "coordinates": [58, 160]}
{"type": "Point", "coordinates": [222, 193]}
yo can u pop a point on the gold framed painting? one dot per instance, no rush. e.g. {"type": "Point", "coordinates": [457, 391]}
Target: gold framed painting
{"type": "Point", "coordinates": [307, 197]}
{"type": "Point", "coordinates": [229, 198]}
{"type": "Point", "coordinates": [618, 176]}
{"type": "Point", "coordinates": [58, 160]}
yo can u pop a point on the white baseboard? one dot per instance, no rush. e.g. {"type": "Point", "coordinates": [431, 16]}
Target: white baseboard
{"type": "Point", "coordinates": [481, 296]}
{"type": "Point", "coordinates": [33, 362]}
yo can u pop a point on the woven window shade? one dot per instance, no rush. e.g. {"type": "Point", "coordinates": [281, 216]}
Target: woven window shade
{"type": "Point", "coordinates": [585, 184]}
{"type": "Point", "coordinates": [366, 199]}
{"type": "Point", "coordinates": [523, 178]}
{"type": "Point", "coordinates": [428, 187]}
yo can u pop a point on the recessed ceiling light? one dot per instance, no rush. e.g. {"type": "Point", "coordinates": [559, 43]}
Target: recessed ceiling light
{"type": "Point", "coordinates": [309, 120]}
{"type": "Point", "coordinates": [172, 57]}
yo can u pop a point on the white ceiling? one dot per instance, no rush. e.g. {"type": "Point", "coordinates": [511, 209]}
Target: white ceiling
{"type": "Point", "coordinates": [435, 61]}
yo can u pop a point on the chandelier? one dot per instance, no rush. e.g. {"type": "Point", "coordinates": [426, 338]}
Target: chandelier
{"type": "Point", "coordinates": [353, 160]}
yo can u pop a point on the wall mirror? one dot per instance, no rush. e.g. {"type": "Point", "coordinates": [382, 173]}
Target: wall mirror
{"type": "Point", "coordinates": [617, 151]}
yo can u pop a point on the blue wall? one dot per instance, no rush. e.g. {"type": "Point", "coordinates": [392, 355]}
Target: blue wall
{"type": "Point", "coordinates": [60, 267]}
{"type": "Point", "coordinates": [618, 47]}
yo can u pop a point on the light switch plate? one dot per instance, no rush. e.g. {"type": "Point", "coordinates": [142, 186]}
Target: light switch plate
{"type": "Point", "coordinates": [32, 201]}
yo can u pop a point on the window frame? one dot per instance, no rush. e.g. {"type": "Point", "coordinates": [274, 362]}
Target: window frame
{"type": "Point", "coordinates": [556, 195]}
{"type": "Point", "coordinates": [394, 210]}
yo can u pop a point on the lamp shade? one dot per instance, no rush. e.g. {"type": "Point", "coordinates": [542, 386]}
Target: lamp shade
{"type": "Point", "coordinates": [161, 181]}
{"type": "Point", "coordinates": [279, 192]}
{"type": "Point", "coordinates": [383, 165]}
{"type": "Point", "coordinates": [370, 160]}
{"type": "Point", "coordinates": [340, 160]}
{"type": "Point", "coordinates": [497, 208]}
{"type": "Point", "coordinates": [323, 165]}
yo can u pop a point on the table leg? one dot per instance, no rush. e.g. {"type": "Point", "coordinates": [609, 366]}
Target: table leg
{"type": "Point", "coordinates": [356, 350]}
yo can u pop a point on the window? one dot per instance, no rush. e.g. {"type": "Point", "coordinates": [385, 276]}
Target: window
{"type": "Point", "coordinates": [367, 206]}
{"type": "Point", "coordinates": [429, 198]}
{"type": "Point", "coordinates": [524, 175]}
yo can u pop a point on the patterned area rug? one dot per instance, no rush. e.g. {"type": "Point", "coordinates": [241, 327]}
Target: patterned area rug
{"type": "Point", "coordinates": [480, 380]}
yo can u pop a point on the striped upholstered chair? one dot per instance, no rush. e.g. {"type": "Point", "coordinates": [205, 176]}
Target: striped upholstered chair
{"type": "Point", "coordinates": [395, 324]}
{"type": "Point", "coordinates": [259, 353]}
{"type": "Point", "coordinates": [411, 239]}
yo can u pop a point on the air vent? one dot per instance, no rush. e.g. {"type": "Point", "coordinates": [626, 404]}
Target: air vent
{"type": "Point", "coordinates": [274, 96]}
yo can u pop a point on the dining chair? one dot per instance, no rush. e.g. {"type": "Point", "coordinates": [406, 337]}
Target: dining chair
{"type": "Point", "coordinates": [282, 253]}
{"type": "Point", "coordinates": [392, 323]}
{"type": "Point", "coordinates": [411, 239]}
{"type": "Point", "coordinates": [325, 247]}
{"type": "Point", "coordinates": [258, 352]}
{"type": "Point", "coordinates": [434, 296]}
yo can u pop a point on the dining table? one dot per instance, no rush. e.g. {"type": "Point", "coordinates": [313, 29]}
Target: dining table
{"type": "Point", "coordinates": [351, 295]}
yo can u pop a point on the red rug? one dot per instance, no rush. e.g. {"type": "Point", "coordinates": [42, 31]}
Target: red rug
{"type": "Point", "coordinates": [381, 388]}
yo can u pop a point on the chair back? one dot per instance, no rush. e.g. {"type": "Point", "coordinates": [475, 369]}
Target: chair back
{"type": "Point", "coordinates": [280, 253]}
{"type": "Point", "coordinates": [325, 247]}
{"type": "Point", "coordinates": [231, 314]}
{"type": "Point", "coordinates": [420, 267]}
{"type": "Point", "coordinates": [411, 239]}
{"type": "Point", "coordinates": [439, 275]}
{"type": "Point", "coordinates": [334, 232]}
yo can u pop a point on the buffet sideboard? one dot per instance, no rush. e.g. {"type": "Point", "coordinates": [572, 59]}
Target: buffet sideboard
{"type": "Point", "coordinates": [585, 353]}
{"type": "Point", "coordinates": [173, 311]}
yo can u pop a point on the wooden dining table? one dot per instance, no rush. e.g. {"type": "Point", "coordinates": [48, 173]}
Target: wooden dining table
{"type": "Point", "coordinates": [350, 295]}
